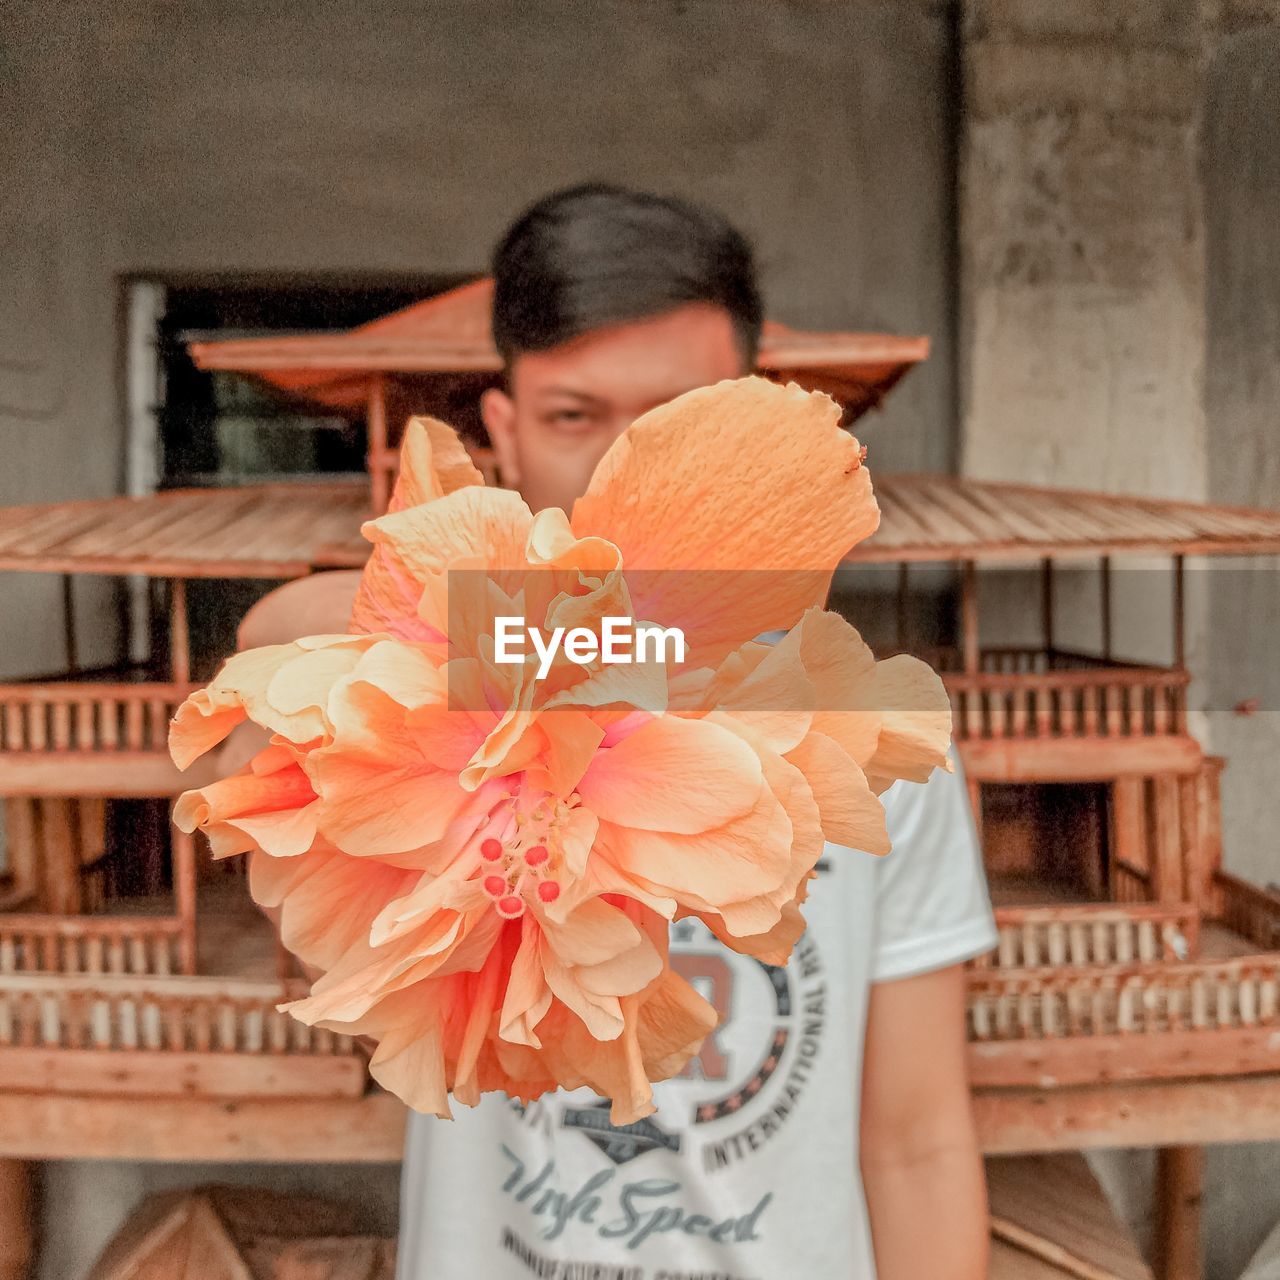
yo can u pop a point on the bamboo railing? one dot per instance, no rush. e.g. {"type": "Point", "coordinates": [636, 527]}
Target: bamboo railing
{"type": "Point", "coordinates": [88, 945]}
{"type": "Point", "coordinates": [1092, 935]}
{"type": "Point", "coordinates": [1107, 702]}
{"type": "Point", "coordinates": [1048, 1002]}
{"type": "Point", "coordinates": [191, 1015]}
{"type": "Point", "coordinates": [68, 716]}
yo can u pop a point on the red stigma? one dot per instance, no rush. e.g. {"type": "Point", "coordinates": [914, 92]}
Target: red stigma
{"type": "Point", "coordinates": [536, 856]}
{"type": "Point", "coordinates": [490, 849]}
{"type": "Point", "coordinates": [548, 891]}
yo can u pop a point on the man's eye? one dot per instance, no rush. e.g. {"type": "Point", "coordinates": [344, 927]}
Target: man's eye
{"type": "Point", "coordinates": [569, 419]}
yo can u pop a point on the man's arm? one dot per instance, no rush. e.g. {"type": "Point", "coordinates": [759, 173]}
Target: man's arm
{"type": "Point", "coordinates": [922, 1170]}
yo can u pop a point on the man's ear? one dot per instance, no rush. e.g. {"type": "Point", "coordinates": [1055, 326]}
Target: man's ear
{"type": "Point", "coordinates": [498, 411]}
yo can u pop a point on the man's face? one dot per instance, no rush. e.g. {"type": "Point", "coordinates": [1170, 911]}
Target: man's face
{"type": "Point", "coordinates": [569, 404]}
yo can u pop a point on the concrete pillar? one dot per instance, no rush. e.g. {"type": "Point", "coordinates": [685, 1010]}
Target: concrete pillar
{"type": "Point", "coordinates": [1081, 255]}
{"type": "Point", "coordinates": [1082, 328]}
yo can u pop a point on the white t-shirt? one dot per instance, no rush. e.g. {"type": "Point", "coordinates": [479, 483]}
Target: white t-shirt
{"type": "Point", "coordinates": [749, 1168]}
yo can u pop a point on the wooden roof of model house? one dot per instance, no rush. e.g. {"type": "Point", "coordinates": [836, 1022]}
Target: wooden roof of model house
{"type": "Point", "coordinates": [450, 334]}
{"type": "Point", "coordinates": [285, 530]}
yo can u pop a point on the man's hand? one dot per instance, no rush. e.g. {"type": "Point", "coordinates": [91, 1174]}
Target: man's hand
{"type": "Point", "coordinates": [921, 1167]}
{"type": "Point", "coordinates": [318, 605]}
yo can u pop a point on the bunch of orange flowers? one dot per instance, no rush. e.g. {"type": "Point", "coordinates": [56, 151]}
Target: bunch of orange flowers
{"type": "Point", "coordinates": [484, 863]}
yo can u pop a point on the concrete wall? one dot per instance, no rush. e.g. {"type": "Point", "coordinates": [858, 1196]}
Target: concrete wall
{"type": "Point", "coordinates": [374, 136]}
{"type": "Point", "coordinates": [370, 136]}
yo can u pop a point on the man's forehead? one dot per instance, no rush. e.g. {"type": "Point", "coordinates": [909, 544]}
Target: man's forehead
{"type": "Point", "coordinates": [650, 360]}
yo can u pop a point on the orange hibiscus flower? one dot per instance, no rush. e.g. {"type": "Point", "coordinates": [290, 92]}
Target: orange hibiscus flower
{"type": "Point", "coordinates": [483, 855]}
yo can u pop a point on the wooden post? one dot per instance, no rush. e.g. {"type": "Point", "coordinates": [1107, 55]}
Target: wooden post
{"type": "Point", "coordinates": [902, 606]}
{"type": "Point", "coordinates": [1104, 582]}
{"type": "Point", "coordinates": [377, 460]}
{"type": "Point", "coordinates": [69, 625]}
{"type": "Point", "coordinates": [1166, 861]}
{"type": "Point", "coordinates": [22, 848]}
{"type": "Point", "coordinates": [18, 1219]}
{"type": "Point", "coordinates": [60, 855]}
{"type": "Point", "coordinates": [1128, 830]}
{"type": "Point", "coordinates": [1046, 607]}
{"type": "Point", "coordinates": [1205, 888]}
{"type": "Point", "coordinates": [1179, 613]}
{"type": "Point", "coordinates": [179, 634]}
{"type": "Point", "coordinates": [1179, 1181]}
{"type": "Point", "coordinates": [184, 893]}
{"type": "Point", "coordinates": [969, 616]}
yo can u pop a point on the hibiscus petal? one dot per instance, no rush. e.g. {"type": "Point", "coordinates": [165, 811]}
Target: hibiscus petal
{"type": "Point", "coordinates": [328, 900]}
{"type": "Point", "coordinates": [592, 934]}
{"type": "Point", "coordinates": [486, 525]}
{"type": "Point", "coordinates": [600, 1014]}
{"type": "Point", "coordinates": [850, 813]}
{"type": "Point", "coordinates": [916, 722]}
{"type": "Point", "coordinates": [745, 857]}
{"type": "Point", "coordinates": [670, 494]}
{"type": "Point", "coordinates": [433, 463]}
{"type": "Point", "coordinates": [527, 997]}
{"type": "Point", "coordinates": [644, 780]}
{"type": "Point", "coordinates": [372, 808]}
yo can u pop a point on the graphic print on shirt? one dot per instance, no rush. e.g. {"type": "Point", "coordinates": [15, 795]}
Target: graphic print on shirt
{"type": "Point", "coordinates": [740, 1089]}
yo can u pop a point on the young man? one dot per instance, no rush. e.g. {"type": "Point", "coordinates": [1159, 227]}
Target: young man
{"type": "Point", "coordinates": [851, 1059]}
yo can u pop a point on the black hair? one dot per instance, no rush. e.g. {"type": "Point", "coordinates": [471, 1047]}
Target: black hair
{"type": "Point", "coordinates": [596, 255]}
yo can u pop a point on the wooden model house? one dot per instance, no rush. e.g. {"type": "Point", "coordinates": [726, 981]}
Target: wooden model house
{"type": "Point", "coordinates": [174, 993]}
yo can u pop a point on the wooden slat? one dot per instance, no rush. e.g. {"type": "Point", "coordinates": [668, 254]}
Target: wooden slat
{"type": "Point", "coordinates": [41, 1125]}
{"type": "Point", "coordinates": [1155, 1113]}
{"type": "Point", "coordinates": [1077, 759]}
{"type": "Point", "coordinates": [36, 1125]}
{"type": "Point", "coordinates": [140, 1073]}
{"type": "Point", "coordinates": [1067, 1061]}
{"type": "Point", "coordinates": [115, 774]}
